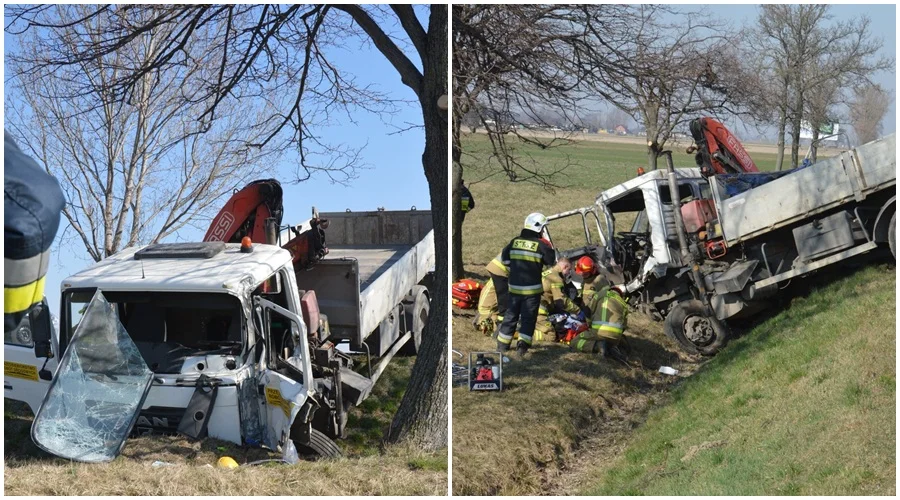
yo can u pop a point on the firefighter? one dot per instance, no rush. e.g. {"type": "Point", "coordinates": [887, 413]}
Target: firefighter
{"type": "Point", "coordinates": [466, 199]}
{"type": "Point", "coordinates": [593, 281]}
{"type": "Point", "coordinates": [32, 203]}
{"type": "Point", "coordinates": [555, 300]}
{"type": "Point", "coordinates": [608, 324]}
{"type": "Point", "coordinates": [527, 255]}
{"type": "Point", "coordinates": [494, 295]}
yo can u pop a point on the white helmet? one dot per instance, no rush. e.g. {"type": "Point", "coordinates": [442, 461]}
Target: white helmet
{"type": "Point", "coordinates": [535, 222]}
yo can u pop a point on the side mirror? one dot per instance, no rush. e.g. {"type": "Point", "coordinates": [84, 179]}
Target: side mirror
{"type": "Point", "coordinates": [41, 329]}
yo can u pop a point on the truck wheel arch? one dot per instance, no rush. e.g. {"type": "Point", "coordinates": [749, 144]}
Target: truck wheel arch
{"type": "Point", "coordinates": [881, 229]}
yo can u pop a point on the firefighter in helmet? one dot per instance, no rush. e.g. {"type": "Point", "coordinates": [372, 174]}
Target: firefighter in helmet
{"type": "Point", "coordinates": [608, 323]}
{"type": "Point", "coordinates": [527, 255]}
{"type": "Point", "coordinates": [592, 280]}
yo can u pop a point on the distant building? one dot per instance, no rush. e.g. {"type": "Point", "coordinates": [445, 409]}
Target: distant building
{"type": "Point", "coordinates": [621, 130]}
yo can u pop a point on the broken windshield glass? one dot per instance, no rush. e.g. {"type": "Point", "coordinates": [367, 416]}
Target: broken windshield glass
{"type": "Point", "coordinates": [99, 388]}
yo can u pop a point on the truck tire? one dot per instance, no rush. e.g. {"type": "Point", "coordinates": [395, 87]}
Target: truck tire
{"type": "Point", "coordinates": [695, 332]}
{"type": "Point", "coordinates": [320, 446]}
{"type": "Point", "coordinates": [892, 235]}
{"type": "Point", "coordinates": [416, 309]}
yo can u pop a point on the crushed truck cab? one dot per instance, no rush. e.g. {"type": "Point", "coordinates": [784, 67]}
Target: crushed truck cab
{"type": "Point", "coordinates": [236, 349]}
{"type": "Point", "coordinates": [707, 245]}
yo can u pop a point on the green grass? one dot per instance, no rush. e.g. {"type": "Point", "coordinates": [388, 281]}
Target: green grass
{"type": "Point", "coordinates": [802, 404]}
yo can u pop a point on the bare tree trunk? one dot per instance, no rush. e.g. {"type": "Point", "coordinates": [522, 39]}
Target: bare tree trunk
{"type": "Point", "coordinates": [652, 155]}
{"type": "Point", "coordinates": [456, 203]}
{"type": "Point", "coordinates": [795, 130]}
{"type": "Point", "coordinates": [814, 146]}
{"type": "Point", "coordinates": [782, 125]}
{"type": "Point", "coordinates": [458, 266]}
{"type": "Point", "coordinates": [422, 418]}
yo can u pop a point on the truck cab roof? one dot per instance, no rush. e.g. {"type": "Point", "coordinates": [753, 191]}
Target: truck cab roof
{"type": "Point", "coordinates": [224, 270]}
{"type": "Point", "coordinates": [654, 175]}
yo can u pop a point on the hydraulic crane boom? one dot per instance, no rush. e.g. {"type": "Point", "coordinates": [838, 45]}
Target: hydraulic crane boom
{"type": "Point", "coordinates": [256, 211]}
{"type": "Point", "coordinates": [718, 150]}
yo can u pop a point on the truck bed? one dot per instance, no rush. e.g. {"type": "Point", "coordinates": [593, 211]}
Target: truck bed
{"type": "Point", "coordinates": [851, 175]}
{"type": "Point", "coordinates": [374, 259]}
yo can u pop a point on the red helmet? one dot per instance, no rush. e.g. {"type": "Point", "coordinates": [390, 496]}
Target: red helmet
{"type": "Point", "coordinates": [584, 266]}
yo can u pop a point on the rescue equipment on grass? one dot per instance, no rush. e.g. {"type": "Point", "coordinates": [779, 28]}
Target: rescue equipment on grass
{"type": "Point", "coordinates": [465, 293]}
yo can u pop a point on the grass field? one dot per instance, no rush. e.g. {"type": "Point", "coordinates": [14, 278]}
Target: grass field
{"type": "Point", "coordinates": [565, 414]}
{"type": "Point", "coordinates": [368, 469]}
{"type": "Point", "coordinates": [804, 404]}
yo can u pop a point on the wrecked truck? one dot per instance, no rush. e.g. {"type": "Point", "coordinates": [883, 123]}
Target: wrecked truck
{"type": "Point", "coordinates": [703, 246]}
{"type": "Point", "coordinates": [234, 341]}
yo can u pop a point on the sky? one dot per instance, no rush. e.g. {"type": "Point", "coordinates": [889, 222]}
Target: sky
{"type": "Point", "coordinates": [883, 25]}
{"type": "Point", "coordinates": [394, 180]}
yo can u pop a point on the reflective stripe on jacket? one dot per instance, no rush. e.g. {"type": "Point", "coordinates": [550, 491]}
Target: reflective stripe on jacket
{"type": "Point", "coordinates": [527, 255]}
{"type": "Point", "coordinates": [554, 298]}
{"type": "Point", "coordinates": [498, 267]}
{"type": "Point", "coordinates": [611, 318]}
{"type": "Point", "coordinates": [468, 203]}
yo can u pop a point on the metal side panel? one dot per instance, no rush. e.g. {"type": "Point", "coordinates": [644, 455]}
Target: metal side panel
{"type": "Point", "coordinates": [336, 282]}
{"type": "Point", "coordinates": [377, 228]}
{"type": "Point", "coordinates": [786, 199]}
{"type": "Point", "coordinates": [876, 163]}
{"type": "Point", "coordinates": [815, 189]}
{"type": "Point", "coordinates": [389, 289]}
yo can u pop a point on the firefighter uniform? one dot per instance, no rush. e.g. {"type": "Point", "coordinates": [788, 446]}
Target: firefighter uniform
{"type": "Point", "coordinates": [608, 323]}
{"type": "Point", "coordinates": [467, 201]}
{"type": "Point", "coordinates": [498, 269]}
{"type": "Point", "coordinates": [554, 300]}
{"type": "Point", "coordinates": [527, 255]}
{"type": "Point", "coordinates": [32, 203]}
{"type": "Point", "coordinates": [594, 288]}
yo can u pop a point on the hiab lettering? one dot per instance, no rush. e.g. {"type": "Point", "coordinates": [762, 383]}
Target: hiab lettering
{"type": "Point", "coordinates": [531, 246]}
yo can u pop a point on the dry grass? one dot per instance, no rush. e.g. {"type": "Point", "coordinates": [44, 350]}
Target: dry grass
{"type": "Point", "coordinates": [369, 468]}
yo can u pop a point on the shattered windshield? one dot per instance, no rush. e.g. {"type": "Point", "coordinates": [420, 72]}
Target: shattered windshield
{"type": "Point", "coordinates": [99, 388]}
{"type": "Point", "coordinates": [167, 327]}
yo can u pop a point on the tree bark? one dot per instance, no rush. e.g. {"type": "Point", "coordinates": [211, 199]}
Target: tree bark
{"type": "Point", "coordinates": [795, 131]}
{"type": "Point", "coordinates": [782, 125]}
{"type": "Point", "coordinates": [652, 157]}
{"type": "Point", "coordinates": [422, 418]}
{"type": "Point", "coordinates": [455, 204]}
{"type": "Point", "coordinates": [813, 147]}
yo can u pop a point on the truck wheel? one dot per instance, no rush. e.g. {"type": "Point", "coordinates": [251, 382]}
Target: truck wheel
{"type": "Point", "coordinates": [416, 308]}
{"type": "Point", "coordinates": [320, 446]}
{"type": "Point", "coordinates": [892, 235]}
{"type": "Point", "coordinates": [694, 331]}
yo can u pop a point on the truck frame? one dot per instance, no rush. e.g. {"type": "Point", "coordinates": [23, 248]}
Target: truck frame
{"type": "Point", "coordinates": [705, 249]}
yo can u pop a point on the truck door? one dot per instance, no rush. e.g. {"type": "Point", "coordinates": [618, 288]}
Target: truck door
{"type": "Point", "coordinates": [28, 357]}
{"type": "Point", "coordinates": [285, 375]}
